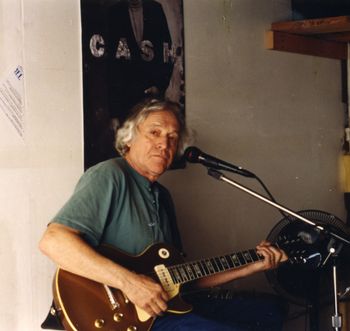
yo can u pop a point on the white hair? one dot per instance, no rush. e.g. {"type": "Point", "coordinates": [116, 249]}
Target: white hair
{"type": "Point", "coordinates": [126, 133]}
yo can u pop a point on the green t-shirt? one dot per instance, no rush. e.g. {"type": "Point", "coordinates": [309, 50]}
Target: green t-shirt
{"type": "Point", "coordinates": [114, 204]}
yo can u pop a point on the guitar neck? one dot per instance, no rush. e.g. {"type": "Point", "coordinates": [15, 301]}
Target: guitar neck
{"type": "Point", "coordinates": [183, 273]}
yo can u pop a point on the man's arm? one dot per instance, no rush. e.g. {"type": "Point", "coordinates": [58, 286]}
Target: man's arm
{"type": "Point", "coordinates": [64, 246]}
{"type": "Point", "coordinates": [272, 258]}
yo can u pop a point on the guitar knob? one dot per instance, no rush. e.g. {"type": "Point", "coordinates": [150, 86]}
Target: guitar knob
{"type": "Point", "coordinates": [99, 323]}
{"type": "Point", "coordinates": [131, 328]}
{"type": "Point", "coordinates": [118, 317]}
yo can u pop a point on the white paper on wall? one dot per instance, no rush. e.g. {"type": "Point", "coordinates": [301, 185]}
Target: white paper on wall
{"type": "Point", "coordinates": [11, 98]}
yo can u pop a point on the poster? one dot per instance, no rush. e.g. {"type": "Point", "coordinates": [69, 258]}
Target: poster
{"type": "Point", "coordinates": [132, 49]}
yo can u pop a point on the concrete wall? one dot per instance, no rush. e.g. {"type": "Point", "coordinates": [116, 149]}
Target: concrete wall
{"type": "Point", "coordinates": [38, 171]}
{"type": "Point", "coordinates": [277, 114]}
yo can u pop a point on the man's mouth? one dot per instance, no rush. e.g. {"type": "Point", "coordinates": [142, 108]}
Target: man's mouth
{"type": "Point", "coordinates": [163, 157]}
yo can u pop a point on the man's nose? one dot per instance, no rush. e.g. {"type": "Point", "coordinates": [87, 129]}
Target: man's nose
{"type": "Point", "coordinates": [163, 142]}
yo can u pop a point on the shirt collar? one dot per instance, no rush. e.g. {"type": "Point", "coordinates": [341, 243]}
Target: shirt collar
{"type": "Point", "coordinates": [139, 178]}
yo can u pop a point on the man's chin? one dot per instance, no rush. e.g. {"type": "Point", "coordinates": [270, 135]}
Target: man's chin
{"type": "Point", "coordinates": [159, 167]}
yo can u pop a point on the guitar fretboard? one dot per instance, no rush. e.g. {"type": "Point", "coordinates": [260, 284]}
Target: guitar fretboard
{"type": "Point", "coordinates": [186, 272]}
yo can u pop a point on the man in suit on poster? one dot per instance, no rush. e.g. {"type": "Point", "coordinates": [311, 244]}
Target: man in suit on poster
{"type": "Point", "coordinates": [138, 39]}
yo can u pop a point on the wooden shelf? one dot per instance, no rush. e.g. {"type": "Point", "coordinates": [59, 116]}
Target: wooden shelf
{"type": "Point", "coordinates": [325, 37]}
{"type": "Point", "coordinates": [314, 26]}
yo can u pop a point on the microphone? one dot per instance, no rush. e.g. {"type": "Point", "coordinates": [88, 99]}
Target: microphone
{"type": "Point", "coordinates": [195, 155]}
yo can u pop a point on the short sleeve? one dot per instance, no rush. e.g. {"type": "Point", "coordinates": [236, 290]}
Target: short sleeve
{"type": "Point", "coordinates": [88, 208]}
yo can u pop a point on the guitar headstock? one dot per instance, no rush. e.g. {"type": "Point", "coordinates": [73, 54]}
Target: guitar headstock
{"type": "Point", "coordinates": [301, 249]}
{"type": "Point", "coordinates": [306, 275]}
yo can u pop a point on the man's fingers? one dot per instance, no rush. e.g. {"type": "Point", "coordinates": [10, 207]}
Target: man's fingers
{"type": "Point", "coordinates": [155, 308]}
{"type": "Point", "coordinates": [273, 255]}
{"type": "Point", "coordinates": [149, 295]}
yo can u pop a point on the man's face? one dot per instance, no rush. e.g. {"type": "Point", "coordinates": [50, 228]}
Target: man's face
{"type": "Point", "coordinates": [153, 148]}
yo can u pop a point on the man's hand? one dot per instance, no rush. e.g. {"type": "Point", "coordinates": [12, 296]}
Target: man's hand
{"type": "Point", "coordinates": [146, 294]}
{"type": "Point", "coordinates": [273, 256]}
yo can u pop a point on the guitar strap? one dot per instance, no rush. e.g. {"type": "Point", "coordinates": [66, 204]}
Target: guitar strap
{"type": "Point", "coordinates": [52, 321]}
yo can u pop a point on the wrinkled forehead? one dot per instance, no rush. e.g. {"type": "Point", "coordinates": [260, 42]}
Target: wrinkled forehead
{"type": "Point", "coordinates": [161, 118]}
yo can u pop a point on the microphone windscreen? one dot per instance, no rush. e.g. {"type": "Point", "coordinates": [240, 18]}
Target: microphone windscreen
{"type": "Point", "coordinates": [191, 154]}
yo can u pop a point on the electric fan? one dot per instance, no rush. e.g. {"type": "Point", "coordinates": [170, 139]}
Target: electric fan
{"type": "Point", "coordinates": [307, 280]}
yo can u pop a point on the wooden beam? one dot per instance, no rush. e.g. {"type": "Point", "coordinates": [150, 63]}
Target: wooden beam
{"type": "Point", "coordinates": [287, 42]}
{"type": "Point", "coordinates": [339, 36]}
{"type": "Point", "coordinates": [314, 26]}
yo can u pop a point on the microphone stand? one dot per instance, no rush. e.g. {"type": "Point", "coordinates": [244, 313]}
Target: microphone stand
{"type": "Point", "coordinates": [332, 247]}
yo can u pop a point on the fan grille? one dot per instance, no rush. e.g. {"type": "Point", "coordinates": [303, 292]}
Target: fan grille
{"type": "Point", "coordinates": [308, 282]}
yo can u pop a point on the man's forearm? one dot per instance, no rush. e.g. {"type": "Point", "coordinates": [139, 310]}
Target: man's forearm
{"type": "Point", "coordinates": [69, 251]}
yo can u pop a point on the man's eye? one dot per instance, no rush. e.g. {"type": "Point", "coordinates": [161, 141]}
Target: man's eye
{"type": "Point", "coordinates": [155, 133]}
{"type": "Point", "coordinates": [174, 138]}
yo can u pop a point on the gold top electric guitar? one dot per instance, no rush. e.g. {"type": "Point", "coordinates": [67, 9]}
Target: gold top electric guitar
{"type": "Point", "coordinates": [85, 305]}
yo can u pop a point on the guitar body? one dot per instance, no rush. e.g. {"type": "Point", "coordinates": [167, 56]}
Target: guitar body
{"type": "Point", "coordinates": [85, 305]}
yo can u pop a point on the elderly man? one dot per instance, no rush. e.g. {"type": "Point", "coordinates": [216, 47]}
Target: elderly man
{"type": "Point", "coordinates": [119, 202]}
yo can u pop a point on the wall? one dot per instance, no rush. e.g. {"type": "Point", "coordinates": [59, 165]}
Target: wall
{"type": "Point", "coordinates": [37, 172]}
{"type": "Point", "coordinates": [277, 114]}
